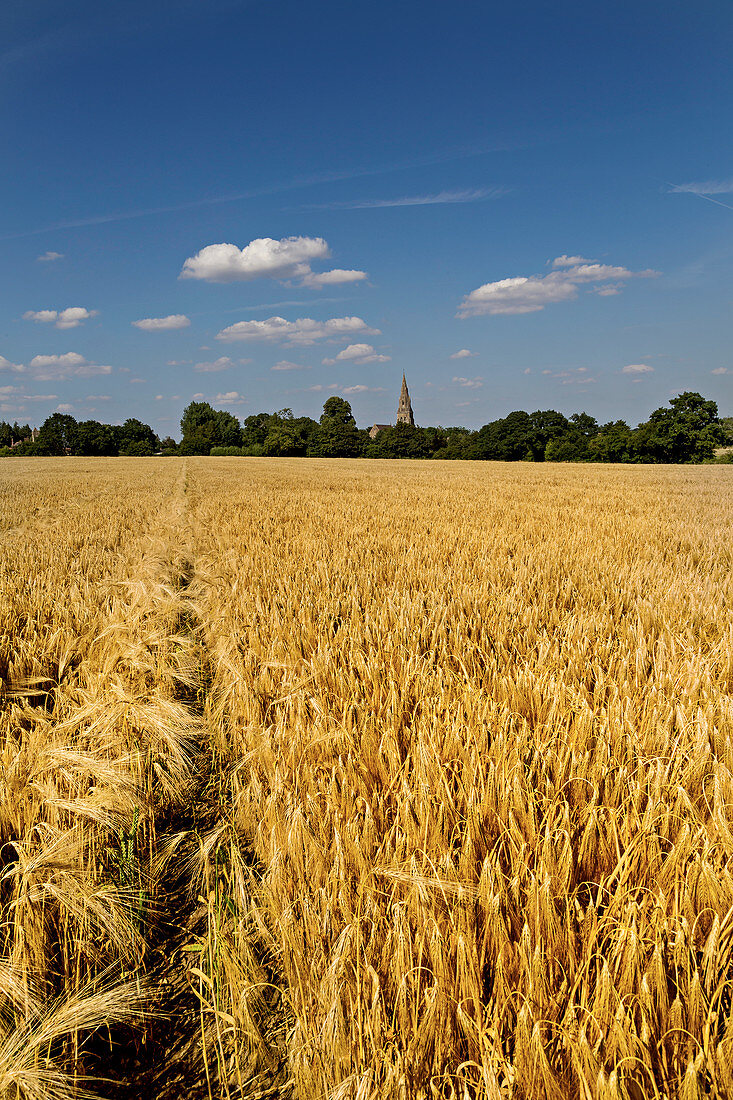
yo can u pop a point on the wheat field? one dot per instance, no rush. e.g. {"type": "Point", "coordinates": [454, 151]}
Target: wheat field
{"type": "Point", "coordinates": [335, 778]}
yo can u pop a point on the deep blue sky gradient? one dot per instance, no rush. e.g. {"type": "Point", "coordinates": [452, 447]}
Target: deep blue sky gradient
{"type": "Point", "coordinates": [136, 134]}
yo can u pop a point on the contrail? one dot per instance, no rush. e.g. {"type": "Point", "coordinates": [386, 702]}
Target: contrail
{"type": "Point", "coordinates": [708, 198]}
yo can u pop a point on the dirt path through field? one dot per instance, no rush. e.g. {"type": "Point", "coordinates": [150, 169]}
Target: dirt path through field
{"type": "Point", "coordinates": [183, 1052]}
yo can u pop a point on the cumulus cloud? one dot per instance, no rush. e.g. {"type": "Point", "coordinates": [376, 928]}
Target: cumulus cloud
{"type": "Point", "coordinates": [720, 370]}
{"type": "Point", "coordinates": [6, 365]}
{"type": "Point", "coordinates": [71, 317]}
{"type": "Point", "coordinates": [49, 257]}
{"type": "Point", "coordinates": [162, 324]}
{"type": "Point", "coordinates": [265, 258]}
{"type": "Point", "coordinates": [49, 367]}
{"type": "Point", "coordinates": [285, 364]}
{"type": "Point", "coordinates": [6, 390]}
{"type": "Point", "coordinates": [358, 353]}
{"type": "Point", "coordinates": [231, 398]}
{"type": "Point", "coordinates": [637, 368]}
{"type": "Point", "coordinates": [706, 187]}
{"type": "Point", "coordinates": [464, 353]}
{"type": "Point", "coordinates": [470, 383]}
{"type": "Point", "coordinates": [303, 331]}
{"type": "Point", "coordinates": [222, 363]}
{"type": "Point", "coordinates": [261, 258]}
{"type": "Point", "coordinates": [64, 408]}
{"type": "Point", "coordinates": [531, 293]}
{"type": "Point", "coordinates": [333, 278]}
{"type": "Point", "coordinates": [569, 261]}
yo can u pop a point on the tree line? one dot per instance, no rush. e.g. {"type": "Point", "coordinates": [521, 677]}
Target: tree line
{"type": "Point", "coordinates": [689, 429]}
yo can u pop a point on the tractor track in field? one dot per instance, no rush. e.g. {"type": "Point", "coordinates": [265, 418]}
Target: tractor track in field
{"type": "Point", "coordinates": [175, 1056]}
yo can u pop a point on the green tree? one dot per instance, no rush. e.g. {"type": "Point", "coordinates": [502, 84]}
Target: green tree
{"type": "Point", "coordinates": [57, 435]}
{"type": "Point", "coordinates": [95, 438]}
{"type": "Point", "coordinates": [337, 435]}
{"type": "Point", "coordinates": [547, 424]}
{"type": "Point", "coordinates": [614, 442]}
{"type": "Point", "coordinates": [688, 431]}
{"type": "Point", "coordinates": [401, 441]}
{"type": "Point", "coordinates": [283, 439]}
{"type": "Point", "coordinates": [136, 438]}
{"type": "Point", "coordinates": [508, 440]}
{"type": "Point", "coordinates": [204, 427]}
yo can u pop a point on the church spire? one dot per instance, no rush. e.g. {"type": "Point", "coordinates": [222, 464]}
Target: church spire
{"type": "Point", "coordinates": [404, 409]}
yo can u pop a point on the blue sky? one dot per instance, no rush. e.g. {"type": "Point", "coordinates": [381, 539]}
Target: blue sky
{"type": "Point", "coordinates": [521, 206]}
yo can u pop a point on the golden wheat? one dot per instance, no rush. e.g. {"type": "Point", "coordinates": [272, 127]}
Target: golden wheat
{"type": "Point", "coordinates": [442, 751]}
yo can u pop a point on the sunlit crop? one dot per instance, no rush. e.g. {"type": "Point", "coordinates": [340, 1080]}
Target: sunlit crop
{"type": "Point", "coordinates": [379, 779]}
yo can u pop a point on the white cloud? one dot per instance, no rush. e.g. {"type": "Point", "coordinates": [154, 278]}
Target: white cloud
{"type": "Point", "coordinates": [40, 397]}
{"type": "Point", "coordinates": [285, 364]}
{"type": "Point", "coordinates": [71, 317]}
{"type": "Point", "coordinates": [333, 278]}
{"type": "Point", "coordinates": [5, 391]}
{"type": "Point", "coordinates": [5, 364]}
{"type": "Point", "coordinates": [637, 368]}
{"type": "Point", "coordinates": [49, 367]}
{"type": "Point", "coordinates": [358, 353]}
{"type": "Point", "coordinates": [720, 370]}
{"type": "Point", "coordinates": [231, 398]}
{"type": "Point", "coordinates": [74, 316]}
{"type": "Point", "coordinates": [607, 291]}
{"type": "Point", "coordinates": [529, 294]}
{"type": "Point", "coordinates": [303, 331]}
{"type": "Point", "coordinates": [464, 353]}
{"type": "Point", "coordinates": [470, 383]}
{"type": "Point", "coordinates": [706, 187]}
{"type": "Point", "coordinates": [527, 370]}
{"type": "Point", "coordinates": [162, 324]}
{"type": "Point", "coordinates": [177, 362]}
{"type": "Point", "coordinates": [49, 257]}
{"type": "Point", "coordinates": [222, 363]}
{"type": "Point", "coordinates": [97, 397]}
{"type": "Point", "coordinates": [264, 257]}
{"type": "Point", "coordinates": [569, 261]}
{"type": "Point", "coordinates": [198, 397]}
{"type": "Point", "coordinates": [64, 408]}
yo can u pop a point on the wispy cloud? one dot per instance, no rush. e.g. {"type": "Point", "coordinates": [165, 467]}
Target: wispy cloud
{"type": "Point", "coordinates": [705, 190]}
{"type": "Point", "coordinates": [475, 194]}
{"type": "Point", "coordinates": [49, 257]}
{"type": "Point", "coordinates": [706, 187]}
{"type": "Point", "coordinates": [279, 187]}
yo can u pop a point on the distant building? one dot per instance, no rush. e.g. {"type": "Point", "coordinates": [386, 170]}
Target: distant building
{"type": "Point", "coordinates": [377, 428]}
{"type": "Point", "coordinates": [404, 409]}
{"type": "Point", "coordinates": [404, 412]}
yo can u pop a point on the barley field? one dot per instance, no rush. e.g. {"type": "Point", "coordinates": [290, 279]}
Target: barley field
{"type": "Point", "coordinates": [333, 779]}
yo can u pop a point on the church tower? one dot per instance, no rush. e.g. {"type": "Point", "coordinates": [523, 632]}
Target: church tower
{"type": "Point", "coordinates": [404, 409]}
